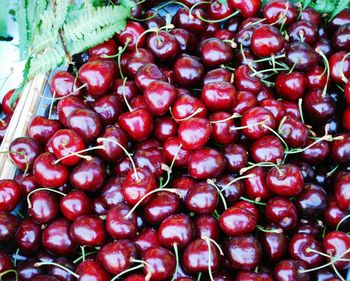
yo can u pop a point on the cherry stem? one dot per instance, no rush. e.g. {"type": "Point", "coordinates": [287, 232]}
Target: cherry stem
{"type": "Point", "coordinates": [99, 140]}
{"type": "Point", "coordinates": [341, 221]}
{"type": "Point", "coordinates": [83, 255]}
{"type": "Point", "coordinates": [262, 229]}
{"type": "Point", "coordinates": [310, 250]}
{"type": "Point", "coordinates": [331, 172]}
{"type": "Point", "coordinates": [300, 105]}
{"type": "Point", "coordinates": [248, 126]}
{"type": "Point", "coordinates": [150, 193]}
{"type": "Point", "coordinates": [169, 169]}
{"type": "Point", "coordinates": [258, 73]}
{"type": "Point", "coordinates": [256, 201]}
{"type": "Point", "coordinates": [215, 21]}
{"type": "Point", "coordinates": [211, 182]}
{"type": "Point", "coordinates": [199, 277]}
{"type": "Point", "coordinates": [40, 189]}
{"type": "Point", "coordinates": [231, 42]}
{"type": "Point", "coordinates": [233, 116]}
{"type": "Point", "coordinates": [86, 254]}
{"type": "Point", "coordinates": [121, 50]}
{"type": "Point", "coordinates": [282, 17]}
{"type": "Point", "coordinates": [127, 270]}
{"type": "Point", "coordinates": [9, 271]}
{"type": "Point", "coordinates": [269, 58]}
{"type": "Point", "coordinates": [176, 252]}
{"type": "Point", "coordinates": [277, 135]}
{"type": "Point", "coordinates": [326, 64]}
{"type": "Point", "coordinates": [51, 104]}
{"type": "Point", "coordinates": [237, 179]}
{"type": "Point", "coordinates": [208, 240]}
{"type": "Point", "coordinates": [38, 264]}
{"type": "Point", "coordinates": [78, 153]}
{"type": "Point", "coordinates": [260, 164]}
{"type": "Point", "coordinates": [124, 96]}
{"type": "Point", "coordinates": [198, 110]}
{"type": "Point", "coordinates": [336, 271]}
{"type": "Point", "coordinates": [196, 5]}
{"type": "Point", "coordinates": [147, 265]}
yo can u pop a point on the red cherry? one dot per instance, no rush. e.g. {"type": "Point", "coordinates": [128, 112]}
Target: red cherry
{"type": "Point", "coordinates": [340, 148]}
{"type": "Point", "coordinates": [247, 8]}
{"type": "Point", "coordinates": [281, 212]}
{"type": "Point", "coordinates": [255, 121]}
{"type": "Point", "coordinates": [275, 10]}
{"type": "Point", "coordinates": [208, 226]}
{"type": "Point", "coordinates": [266, 41]}
{"type": "Point", "coordinates": [8, 226]}
{"type": "Point", "coordinates": [294, 132]}
{"type": "Point", "coordinates": [218, 96]}
{"type": "Point", "coordinates": [339, 67]}
{"type": "Point", "coordinates": [304, 31]}
{"type": "Point", "coordinates": [341, 190]}
{"type": "Point", "coordinates": [108, 108]}
{"type": "Point", "coordinates": [28, 236]}
{"type": "Point", "coordinates": [6, 106]}
{"type": "Point", "coordinates": [160, 263]}
{"type": "Point", "coordinates": [236, 221]}
{"type": "Point", "coordinates": [42, 129]}
{"type": "Point", "coordinates": [91, 270]}
{"type": "Point", "coordinates": [186, 105]}
{"type": "Point", "coordinates": [245, 81]}
{"type": "Point", "coordinates": [23, 152]}
{"type": "Point", "coordinates": [215, 52]}
{"type": "Point", "coordinates": [194, 133]}
{"type": "Point", "coordinates": [43, 207]}
{"type": "Point", "coordinates": [164, 128]}
{"type": "Point", "coordinates": [290, 270]}
{"type": "Point", "coordinates": [111, 151]}
{"type": "Point", "coordinates": [107, 48]}
{"type": "Point", "coordinates": [188, 71]}
{"type": "Point", "coordinates": [190, 20]}
{"type": "Point", "coordinates": [147, 238]}
{"type": "Point", "coordinates": [88, 230]}
{"type": "Point", "coordinates": [148, 74]}
{"type": "Point", "coordinates": [63, 84]}
{"type": "Point", "coordinates": [223, 131]}
{"type": "Point", "coordinates": [118, 225]}
{"type": "Point", "coordinates": [290, 86]}
{"type": "Point", "coordinates": [163, 45]}
{"type": "Point", "coordinates": [131, 35]}
{"type": "Point", "coordinates": [336, 243]}
{"type": "Point", "coordinates": [172, 148]}
{"type": "Point", "coordinates": [202, 198]}
{"type": "Point", "coordinates": [75, 204]}
{"type": "Point", "coordinates": [255, 184]}
{"type": "Point", "coordinates": [66, 106]}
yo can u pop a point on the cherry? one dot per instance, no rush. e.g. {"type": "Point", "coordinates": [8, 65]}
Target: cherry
{"type": "Point", "coordinates": [215, 52]}
{"type": "Point", "coordinates": [88, 230]}
{"type": "Point", "coordinates": [294, 132]}
{"type": "Point", "coordinates": [340, 39]}
{"type": "Point", "coordinates": [309, 14]}
{"type": "Point", "coordinates": [159, 96]}
{"type": "Point", "coordinates": [256, 122]}
{"type": "Point", "coordinates": [164, 128]}
{"type": "Point", "coordinates": [247, 8]}
{"type": "Point", "coordinates": [267, 149]}
{"type": "Point", "coordinates": [6, 105]}
{"type": "Point", "coordinates": [160, 207]}
{"type": "Point", "coordinates": [28, 236]}
{"type": "Point", "coordinates": [202, 198]}
{"type": "Point", "coordinates": [108, 108]}
{"type": "Point", "coordinates": [273, 243]}
{"type": "Point", "coordinates": [23, 152]}
{"type": "Point", "coordinates": [290, 270]}
{"type": "Point", "coordinates": [127, 88]}
{"type": "Point", "coordinates": [56, 238]}
{"type": "Point", "coordinates": [186, 106]}
{"type": "Point", "coordinates": [148, 74]}
{"type": "Point", "coordinates": [107, 48]}
{"type": "Point", "coordinates": [197, 258]}
{"type": "Point", "coordinates": [75, 204]}
{"type": "Point", "coordinates": [251, 276]}
{"type": "Point", "coordinates": [27, 271]}
{"type": "Point", "coordinates": [302, 247]}
{"type": "Point", "coordinates": [282, 213]}
{"type": "Point", "coordinates": [290, 86]}
{"type": "Point", "coordinates": [160, 263]}
{"type": "Point", "coordinates": [285, 180]}
{"type": "Point", "coordinates": [190, 20]}
{"type": "Point", "coordinates": [91, 270]}
{"type": "Point", "coordinates": [64, 84]}
{"type": "Point", "coordinates": [175, 231]}
{"type": "Point", "coordinates": [86, 123]}
{"type": "Point", "coordinates": [312, 201]}
{"type": "Point", "coordinates": [339, 67]}
{"type": "Point", "coordinates": [245, 81]}
{"type": "Point", "coordinates": [194, 133]}
{"type": "Point", "coordinates": [243, 252]}
{"type": "Point", "coordinates": [10, 195]}
{"type": "Point", "coordinates": [255, 184]}
{"type": "Point", "coordinates": [304, 31]}
{"type": "Point", "coordinates": [333, 214]}
{"type": "Point", "coordinates": [42, 206]}
{"type": "Point", "coordinates": [318, 106]}
{"type": "Point", "coordinates": [336, 244]}
{"type": "Point", "coordinates": [137, 124]}
{"type": "Point", "coordinates": [42, 129]}
{"type": "Point", "coordinates": [231, 188]}
{"type": "Point", "coordinates": [275, 107]}
{"type": "Point", "coordinates": [88, 175]}
{"type": "Point", "coordinates": [188, 71]}
{"type": "Point", "coordinates": [266, 40]}
{"type": "Point", "coordinates": [217, 75]}
{"type": "Point", "coordinates": [236, 221]}
{"type": "Point", "coordinates": [206, 163]}
{"type": "Point", "coordinates": [315, 78]}
{"type": "Point", "coordinates": [301, 56]}
{"type": "Point", "coordinates": [340, 148]}
{"type": "Point", "coordinates": [218, 96]}
{"type": "Point", "coordinates": [8, 226]}
{"type": "Point", "coordinates": [340, 19]}
{"type": "Point", "coordinates": [147, 238]}
{"type": "Point", "coordinates": [341, 190]}
{"type": "Point", "coordinates": [98, 76]}
{"type": "Point", "coordinates": [187, 40]}
{"type": "Point", "coordinates": [3, 126]}
{"type": "Point", "coordinates": [118, 224]}
{"type": "Point", "coordinates": [173, 149]}
{"type": "Point", "coordinates": [244, 101]}
{"type": "Point", "coordinates": [280, 12]}
{"type": "Point", "coordinates": [223, 128]}
{"type": "Point", "coordinates": [163, 45]}
{"type": "Point", "coordinates": [66, 106]}
{"type": "Point", "coordinates": [206, 226]}
{"type": "Point", "coordinates": [236, 157]}
{"type": "Point", "coordinates": [60, 273]}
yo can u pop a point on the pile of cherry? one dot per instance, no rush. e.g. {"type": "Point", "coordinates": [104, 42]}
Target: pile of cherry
{"type": "Point", "coordinates": [208, 145]}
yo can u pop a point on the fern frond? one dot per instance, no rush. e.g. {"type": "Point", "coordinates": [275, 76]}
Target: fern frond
{"type": "Point", "coordinates": [90, 19]}
{"type": "Point", "coordinates": [324, 6]}
{"type": "Point", "coordinates": [131, 4]}
{"type": "Point", "coordinates": [4, 18]}
{"type": "Point", "coordinates": [30, 18]}
{"type": "Point", "coordinates": [21, 16]}
{"type": "Point", "coordinates": [61, 10]}
{"type": "Point", "coordinates": [46, 61]}
{"type": "Point", "coordinates": [43, 40]}
{"type": "Point", "coordinates": [341, 5]}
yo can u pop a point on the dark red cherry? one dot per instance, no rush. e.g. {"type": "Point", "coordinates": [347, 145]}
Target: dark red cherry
{"type": "Point", "coordinates": [8, 226]}
{"type": "Point", "coordinates": [151, 158]}
{"type": "Point", "coordinates": [131, 35]}
{"type": "Point", "coordinates": [60, 273]}
{"type": "Point", "coordinates": [172, 148]}
{"type": "Point", "coordinates": [336, 243]}
{"type": "Point", "coordinates": [123, 166]}
{"type": "Point", "coordinates": [148, 74]}
{"type": "Point", "coordinates": [281, 212]}
{"type": "Point", "coordinates": [163, 45]}
{"type": "Point", "coordinates": [290, 86]}
{"type": "Point", "coordinates": [315, 78]}
{"type": "Point", "coordinates": [255, 184]}
{"type": "Point", "coordinates": [341, 39]}
{"type": "Point", "coordinates": [236, 157]}
{"type": "Point", "coordinates": [267, 149]}
{"type": "Point", "coordinates": [294, 132]}
{"type": "Point", "coordinates": [164, 128]}
{"type": "Point", "coordinates": [301, 56]}
{"type": "Point", "coordinates": [275, 107]}
{"type": "Point", "coordinates": [137, 184]}
{"type": "Point", "coordinates": [175, 230]}
{"type": "Point", "coordinates": [111, 193]}
{"type": "Point", "coordinates": [188, 71]}
{"type": "Point", "coordinates": [255, 121]}
{"type": "Point", "coordinates": [290, 270]}
{"type": "Point", "coordinates": [88, 175]}
{"type": "Point", "coordinates": [42, 129]}
{"type": "Point", "coordinates": [190, 20]}
{"type": "Point", "coordinates": [245, 81]}
{"type": "Point", "coordinates": [28, 236]}
{"type": "Point", "coordinates": [340, 148]}
{"type": "Point", "coordinates": [66, 106]}
{"type": "Point", "coordinates": [56, 238]}
{"type": "Point", "coordinates": [10, 195]}
{"type": "Point", "coordinates": [231, 188]}
{"type": "Point", "coordinates": [243, 252]}
{"type": "Point", "coordinates": [159, 96]}
{"type": "Point", "coordinates": [108, 108]}
{"type": "Point", "coordinates": [138, 58]}
{"type": "Point", "coordinates": [196, 258]}
{"type": "Point", "coordinates": [98, 76]}
{"type": "Point", "coordinates": [86, 123]}
{"type": "Point", "coordinates": [118, 225]}
{"type": "Point", "coordinates": [75, 204]}
{"type": "Point", "coordinates": [27, 183]}
{"type": "Point", "coordinates": [273, 243]}
{"type": "Point", "coordinates": [223, 128]}
{"type": "Point", "coordinates": [266, 41]}
{"type": "Point", "coordinates": [215, 52]}
{"type": "Point", "coordinates": [311, 201]}
{"type": "Point", "coordinates": [107, 48]}
{"type": "Point", "coordinates": [303, 31]}
{"type": "Point", "coordinates": [247, 8]}
{"type": "Point", "coordinates": [217, 75]}
{"type": "Point", "coordinates": [202, 198]}
{"type": "Point", "coordinates": [137, 124]}
{"type": "Point", "coordinates": [285, 180]}
{"type": "Point", "coordinates": [311, 15]}
{"type": "Point", "coordinates": [186, 105]}
{"type": "Point", "coordinates": [43, 206]}
{"type": "Point", "coordinates": [207, 226]}
{"type": "Point", "coordinates": [340, 19]}
{"type": "Point", "coordinates": [27, 271]}
{"type": "Point", "coordinates": [161, 263]}
{"type": "Point", "coordinates": [88, 230]}
{"type": "Point", "coordinates": [147, 238]}
{"type": "Point", "coordinates": [244, 101]}
{"type": "Point", "coordinates": [206, 163]}
{"type": "Point", "coordinates": [236, 221]}
{"type": "Point", "coordinates": [64, 84]}
{"type": "Point", "coordinates": [218, 96]}
{"type": "Point", "coordinates": [339, 67]}
{"type": "Point", "coordinates": [160, 207]}
{"type": "Point", "coordinates": [318, 106]}
{"type": "Point", "coordinates": [194, 133]}
{"type": "Point", "coordinates": [3, 126]}
{"type": "Point", "coordinates": [280, 12]}
{"type": "Point", "coordinates": [341, 190]}
{"type": "Point", "coordinates": [23, 152]}
{"type": "Point", "coordinates": [333, 214]}
{"type": "Point", "coordinates": [317, 153]}
{"type": "Point", "coordinates": [90, 270]}
{"type": "Point", "coordinates": [123, 88]}
{"type": "Point", "coordinates": [6, 105]}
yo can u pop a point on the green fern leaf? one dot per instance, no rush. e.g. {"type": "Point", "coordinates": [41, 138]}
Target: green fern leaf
{"type": "Point", "coordinates": [131, 4]}
{"type": "Point", "coordinates": [21, 16]}
{"type": "Point", "coordinates": [341, 5]}
{"type": "Point", "coordinates": [324, 6]}
{"type": "Point", "coordinates": [4, 18]}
